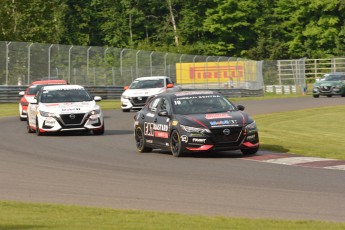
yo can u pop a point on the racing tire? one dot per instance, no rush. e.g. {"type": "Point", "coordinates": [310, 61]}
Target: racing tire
{"type": "Point", "coordinates": [22, 118]}
{"type": "Point", "coordinates": [250, 151]}
{"type": "Point", "coordinates": [38, 132]}
{"type": "Point", "coordinates": [125, 110]}
{"type": "Point", "coordinates": [30, 130]}
{"type": "Point", "coordinates": [175, 144]}
{"type": "Point", "coordinates": [140, 141]}
{"type": "Point", "coordinates": [316, 96]}
{"type": "Point", "coordinates": [99, 131]}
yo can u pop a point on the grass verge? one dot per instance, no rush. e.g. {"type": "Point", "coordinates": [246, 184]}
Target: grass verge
{"type": "Point", "coordinates": [16, 215]}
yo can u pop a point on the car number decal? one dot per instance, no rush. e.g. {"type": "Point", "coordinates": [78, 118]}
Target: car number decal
{"type": "Point", "coordinates": [148, 129]}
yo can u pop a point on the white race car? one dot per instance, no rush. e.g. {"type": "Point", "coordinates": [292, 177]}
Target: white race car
{"type": "Point", "coordinates": [136, 95]}
{"type": "Point", "coordinates": [65, 108]}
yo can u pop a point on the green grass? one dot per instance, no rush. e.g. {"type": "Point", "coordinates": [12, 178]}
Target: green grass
{"type": "Point", "coordinates": [31, 216]}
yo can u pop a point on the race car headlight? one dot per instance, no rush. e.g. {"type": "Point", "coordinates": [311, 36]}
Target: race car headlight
{"type": "Point", "coordinates": [251, 127]}
{"type": "Point", "coordinates": [96, 111]}
{"type": "Point", "coordinates": [46, 114]}
{"type": "Point", "coordinates": [194, 129]}
{"type": "Point", "coordinates": [125, 97]}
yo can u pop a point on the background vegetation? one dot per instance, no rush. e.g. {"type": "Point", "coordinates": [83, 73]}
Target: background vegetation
{"type": "Point", "coordinates": [254, 29]}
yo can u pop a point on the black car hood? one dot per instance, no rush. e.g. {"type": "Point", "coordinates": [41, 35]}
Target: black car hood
{"type": "Point", "coordinates": [215, 120]}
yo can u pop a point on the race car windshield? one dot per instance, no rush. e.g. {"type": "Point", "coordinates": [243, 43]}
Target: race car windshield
{"type": "Point", "coordinates": [334, 78]}
{"type": "Point", "coordinates": [57, 96]}
{"type": "Point", "coordinates": [147, 84]}
{"type": "Point", "coordinates": [34, 89]}
{"type": "Point", "coordinates": [197, 104]}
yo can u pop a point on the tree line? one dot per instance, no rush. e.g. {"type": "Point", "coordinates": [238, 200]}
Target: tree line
{"type": "Point", "coordinates": [253, 29]}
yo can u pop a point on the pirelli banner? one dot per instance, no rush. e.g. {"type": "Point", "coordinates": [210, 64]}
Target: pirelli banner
{"type": "Point", "coordinates": [234, 72]}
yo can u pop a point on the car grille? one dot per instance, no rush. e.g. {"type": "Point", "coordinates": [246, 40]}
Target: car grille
{"type": "Point", "coordinates": [139, 101]}
{"type": "Point", "coordinates": [72, 119]}
{"type": "Point", "coordinates": [220, 137]}
{"type": "Point", "coordinates": [325, 88]}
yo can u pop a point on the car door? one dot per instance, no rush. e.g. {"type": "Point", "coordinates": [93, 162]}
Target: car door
{"type": "Point", "coordinates": [161, 127]}
{"type": "Point", "coordinates": [146, 120]}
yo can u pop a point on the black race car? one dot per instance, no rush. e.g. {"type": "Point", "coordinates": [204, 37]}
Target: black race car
{"type": "Point", "coordinates": [194, 121]}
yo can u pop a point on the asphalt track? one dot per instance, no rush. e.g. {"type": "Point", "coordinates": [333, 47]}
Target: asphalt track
{"type": "Point", "coordinates": [107, 171]}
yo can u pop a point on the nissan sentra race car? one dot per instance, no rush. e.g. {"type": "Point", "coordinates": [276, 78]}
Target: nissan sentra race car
{"type": "Point", "coordinates": [64, 108]}
{"type": "Point", "coordinates": [135, 95]}
{"type": "Point", "coordinates": [332, 84]}
{"type": "Point", "coordinates": [28, 95]}
{"type": "Point", "coordinates": [194, 121]}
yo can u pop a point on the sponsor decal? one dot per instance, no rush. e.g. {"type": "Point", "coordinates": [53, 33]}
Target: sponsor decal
{"type": "Point", "coordinates": [149, 141]}
{"type": "Point", "coordinates": [184, 138]}
{"type": "Point", "coordinates": [223, 123]}
{"type": "Point", "coordinates": [161, 134]}
{"type": "Point", "coordinates": [70, 109]}
{"type": "Point", "coordinates": [199, 140]}
{"type": "Point", "coordinates": [173, 123]}
{"type": "Point", "coordinates": [217, 116]}
{"type": "Point", "coordinates": [150, 115]}
{"type": "Point", "coordinates": [160, 127]}
{"type": "Point", "coordinates": [150, 128]}
{"type": "Point", "coordinates": [50, 122]}
{"type": "Point", "coordinates": [251, 137]}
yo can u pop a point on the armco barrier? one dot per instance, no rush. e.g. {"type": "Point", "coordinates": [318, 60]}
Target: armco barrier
{"type": "Point", "coordinates": [11, 93]}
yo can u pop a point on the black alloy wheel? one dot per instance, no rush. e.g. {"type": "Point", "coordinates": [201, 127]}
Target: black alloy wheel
{"type": "Point", "coordinates": [140, 141]}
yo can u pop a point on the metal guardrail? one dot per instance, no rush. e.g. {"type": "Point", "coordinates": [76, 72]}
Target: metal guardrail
{"type": "Point", "coordinates": [11, 93]}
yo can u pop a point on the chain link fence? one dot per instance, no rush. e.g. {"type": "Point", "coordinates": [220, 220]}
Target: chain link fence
{"type": "Point", "coordinates": [21, 63]}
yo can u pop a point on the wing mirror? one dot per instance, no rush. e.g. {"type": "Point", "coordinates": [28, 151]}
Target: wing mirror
{"type": "Point", "coordinates": [97, 98]}
{"type": "Point", "coordinates": [163, 113]}
{"type": "Point", "coordinates": [126, 87]}
{"type": "Point", "coordinates": [170, 85]}
{"type": "Point", "coordinates": [240, 107]}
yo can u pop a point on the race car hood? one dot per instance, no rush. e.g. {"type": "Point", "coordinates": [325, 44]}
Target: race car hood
{"type": "Point", "coordinates": [142, 92]}
{"type": "Point", "coordinates": [68, 107]}
{"type": "Point", "coordinates": [216, 120]}
{"type": "Point", "coordinates": [327, 83]}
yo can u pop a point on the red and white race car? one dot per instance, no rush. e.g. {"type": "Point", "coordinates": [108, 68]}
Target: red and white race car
{"type": "Point", "coordinates": [28, 95]}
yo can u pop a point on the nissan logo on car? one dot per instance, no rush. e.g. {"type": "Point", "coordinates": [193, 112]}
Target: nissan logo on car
{"type": "Point", "coordinates": [226, 132]}
{"type": "Point", "coordinates": [72, 116]}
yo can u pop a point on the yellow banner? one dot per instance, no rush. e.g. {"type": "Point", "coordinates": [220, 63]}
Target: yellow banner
{"type": "Point", "coordinates": [210, 72]}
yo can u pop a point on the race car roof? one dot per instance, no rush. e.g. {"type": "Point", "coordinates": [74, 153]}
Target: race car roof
{"type": "Point", "coordinates": [47, 82]}
{"type": "Point", "coordinates": [150, 78]}
{"type": "Point", "coordinates": [61, 87]}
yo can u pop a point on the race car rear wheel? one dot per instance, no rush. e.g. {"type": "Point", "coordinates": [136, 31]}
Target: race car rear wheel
{"type": "Point", "coordinates": [250, 151]}
{"type": "Point", "coordinates": [175, 144]}
{"type": "Point", "coordinates": [140, 141]}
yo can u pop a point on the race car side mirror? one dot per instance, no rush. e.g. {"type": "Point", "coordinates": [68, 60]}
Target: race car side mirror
{"type": "Point", "coordinates": [126, 87]}
{"type": "Point", "coordinates": [97, 98]}
{"type": "Point", "coordinates": [163, 113]}
{"type": "Point", "coordinates": [170, 85]}
{"type": "Point", "coordinates": [240, 107]}
{"type": "Point", "coordinates": [21, 93]}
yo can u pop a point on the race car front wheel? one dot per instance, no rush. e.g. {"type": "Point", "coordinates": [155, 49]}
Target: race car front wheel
{"type": "Point", "coordinates": [140, 141]}
{"type": "Point", "coordinates": [38, 132]}
{"type": "Point", "coordinates": [175, 144]}
{"type": "Point", "coordinates": [29, 129]}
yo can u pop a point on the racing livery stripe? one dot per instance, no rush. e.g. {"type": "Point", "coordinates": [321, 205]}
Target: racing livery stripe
{"type": "Point", "coordinates": [295, 160]}
{"type": "Point", "coordinates": [197, 121]}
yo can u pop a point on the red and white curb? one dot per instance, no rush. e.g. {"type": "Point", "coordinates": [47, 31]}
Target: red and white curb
{"type": "Point", "coordinates": [290, 159]}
